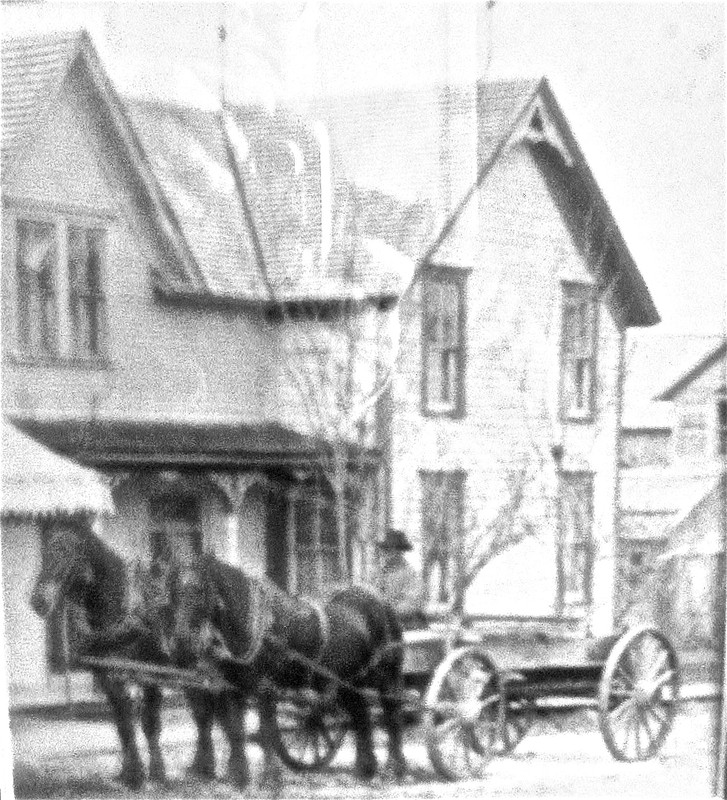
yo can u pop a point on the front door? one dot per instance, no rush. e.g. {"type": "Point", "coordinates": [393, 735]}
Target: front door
{"type": "Point", "coordinates": [175, 526]}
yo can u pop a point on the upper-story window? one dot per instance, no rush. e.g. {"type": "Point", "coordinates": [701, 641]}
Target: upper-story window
{"type": "Point", "coordinates": [443, 345]}
{"type": "Point", "coordinates": [60, 310]}
{"type": "Point", "coordinates": [578, 352]}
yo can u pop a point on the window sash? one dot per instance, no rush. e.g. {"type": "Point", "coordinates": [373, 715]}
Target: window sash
{"type": "Point", "coordinates": [578, 350]}
{"type": "Point", "coordinates": [87, 304]}
{"type": "Point", "coordinates": [576, 510]}
{"type": "Point", "coordinates": [60, 305]}
{"type": "Point", "coordinates": [316, 554]}
{"type": "Point", "coordinates": [443, 345]}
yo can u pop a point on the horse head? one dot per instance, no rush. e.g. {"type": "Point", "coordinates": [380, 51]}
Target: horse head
{"type": "Point", "coordinates": [66, 570]}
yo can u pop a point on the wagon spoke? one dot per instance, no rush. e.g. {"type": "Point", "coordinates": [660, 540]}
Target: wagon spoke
{"type": "Point", "coordinates": [646, 725]}
{"type": "Point", "coordinates": [658, 664]}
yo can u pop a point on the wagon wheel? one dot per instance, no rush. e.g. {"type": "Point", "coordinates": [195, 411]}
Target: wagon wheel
{"type": "Point", "coordinates": [518, 719]}
{"type": "Point", "coordinates": [309, 730]}
{"type": "Point", "coordinates": [463, 713]}
{"type": "Point", "coordinates": [637, 697]}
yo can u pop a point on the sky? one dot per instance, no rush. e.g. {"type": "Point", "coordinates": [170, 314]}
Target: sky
{"type": "Point", "coordinates": [642, 85]}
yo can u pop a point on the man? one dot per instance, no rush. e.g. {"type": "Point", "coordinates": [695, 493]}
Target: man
{"type": "Point", "coordinates": [399, 582]}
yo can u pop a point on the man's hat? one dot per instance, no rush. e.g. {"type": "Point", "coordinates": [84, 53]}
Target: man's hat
{"type": "Point", "coordinates": [395, 540]}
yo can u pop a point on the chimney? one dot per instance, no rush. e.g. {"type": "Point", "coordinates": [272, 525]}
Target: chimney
{"type": "Point", "coordinates": [458, 130]}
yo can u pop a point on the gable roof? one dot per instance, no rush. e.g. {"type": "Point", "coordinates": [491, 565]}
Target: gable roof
{"type": "Point", "coordinates": [373, 126]}
{"type": "Point", "coordinates": [33, 70]}
{"type": "Point", "coordinates": [180, 155]}
{"type": "Point", "coordinates": [508, 111]}
{"type": "Point", "coordinates": [713, 355]}
{"type": "Point", "coordinates": [370, 232]}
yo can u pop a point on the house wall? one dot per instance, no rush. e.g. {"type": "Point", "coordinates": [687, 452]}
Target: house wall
{"type": "Point", "coordinates": [513, 334]}
{"type": "Point", "coordinates": [675, 522]}
{"type": "Point", "coordinates": [645, 447]}
{"type": "Point", "coordinates": [160, 365]}
{"type": "Point", "coordinates": [694, 439]}
{"type": "Point", "coordinates": [24, 630]}
{"type": "Point", "coordinates": [29, 677]}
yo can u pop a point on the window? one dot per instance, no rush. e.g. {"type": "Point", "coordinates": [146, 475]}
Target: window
{"type": "Point", "coordinates": [692, 436]}
{"type": "Point", "coordinates": [316, 556]}
{"type": "Point", "coordinates": [175, 526]}
{"type": "Point", "coordinates": [722, 423]}
{"type": "Point", "coordinates": [578, 352]}
{"type": "Point", "coordinates": [86, 299]}
{"type": "Point", "coordinates": [443, 298]}
{"type": "Point", "coordinates": [442, 512]}
{"type": "Point", "coordinates": [576, 513]}
{"type": "Point", "coordinates": [60, 301]}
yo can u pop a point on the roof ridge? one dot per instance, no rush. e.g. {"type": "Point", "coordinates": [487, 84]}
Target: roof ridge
{"type": "Point", "coordinates": [49, 36]}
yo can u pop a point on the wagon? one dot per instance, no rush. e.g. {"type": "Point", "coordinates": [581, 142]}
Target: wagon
{"type": "Point", "coordinates": [477, 697]}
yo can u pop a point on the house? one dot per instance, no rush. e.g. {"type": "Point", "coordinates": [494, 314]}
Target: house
{"type": "Point", "coordinates": [39, 488]}
{"type": "Point", "coordinates": [505, 412]}
{"type": "Point", "coordinates": [193, 303]}
{"type": "Point", "coordinates": [673, 529]}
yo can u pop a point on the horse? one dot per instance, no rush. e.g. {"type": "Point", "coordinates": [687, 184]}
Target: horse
{"type": "Point", "coordinates": [114, 614]}
{"type": "Point", "coordinates": [263, 640]}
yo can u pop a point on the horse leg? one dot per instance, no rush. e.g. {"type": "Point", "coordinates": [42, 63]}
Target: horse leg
{"type": "Point", "coordinates": [151, 724]}
{"type": "Point", "coordinates": [392, 693]}
{"type": "Point", "coordinates": [358, 710]}
{"type": "Point", "coordinates": [122, 707]}
{"type": "Point", "coordinates": [272, 775]}
{"type": "Point", "coordinates": [202, 705]}
{"type": "Point", "coordinates": [231, 710]}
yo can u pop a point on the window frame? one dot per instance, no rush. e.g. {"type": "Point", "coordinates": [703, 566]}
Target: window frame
{"type": "Point", "coordinates": [161, 524]}
{"type": "Point", "coordinates": [583, 597]}
{"type": "Point", "coordinates": [573, 295]}
{"type": "Point", "coordinates": [449, 276]}
{"type": "Point", "coordinates": [62, 221]}
{"type": "Point", "coordinates": [696, 412]}
{"type": "Point", "coordinates": [458, 483]}
{"type": "Point", "coordinates": [317, 491]}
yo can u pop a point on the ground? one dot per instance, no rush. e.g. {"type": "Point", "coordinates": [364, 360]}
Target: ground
{"type": "Point", "coordinates": [564, 756]}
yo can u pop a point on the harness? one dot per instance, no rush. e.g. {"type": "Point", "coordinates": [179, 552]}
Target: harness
{"type": "Point", "coordinates": [261, 603]}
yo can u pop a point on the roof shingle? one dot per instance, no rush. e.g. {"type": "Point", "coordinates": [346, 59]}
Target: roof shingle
{"type": "Point", "coordinates": [32, 69]}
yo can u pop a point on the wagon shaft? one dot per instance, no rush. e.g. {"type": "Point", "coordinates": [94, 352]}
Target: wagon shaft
{"type": "Point", "coordinates": [158, 674]}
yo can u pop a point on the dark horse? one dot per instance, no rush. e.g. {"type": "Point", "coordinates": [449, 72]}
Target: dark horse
{"type": "Point", "coordinates": [116, 615]}
{"type": "Point", "coordinates": [263, 640]}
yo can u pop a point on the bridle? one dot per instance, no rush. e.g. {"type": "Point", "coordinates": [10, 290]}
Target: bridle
{"type": "Point", "coordinates": [66, 568]}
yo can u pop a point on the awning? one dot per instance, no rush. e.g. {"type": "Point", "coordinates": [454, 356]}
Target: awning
{"type": "Point", "coordinates": [109, 444]}
{"type": "Point", "coordinates": [38, 482]}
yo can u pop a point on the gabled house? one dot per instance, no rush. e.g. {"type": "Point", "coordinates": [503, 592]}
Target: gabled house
{"type": "Point", "coordinates": [675, 454]}
{"type": "Point", "coordinates": [174, 282]}
{"type": "Point", "coordinates": [505, 413]}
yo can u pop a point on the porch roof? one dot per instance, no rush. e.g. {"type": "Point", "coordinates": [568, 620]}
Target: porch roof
{"type": "Point", "coordinates": [39, 482]}
{"type": "Point", "coordinates": [110, 443]}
